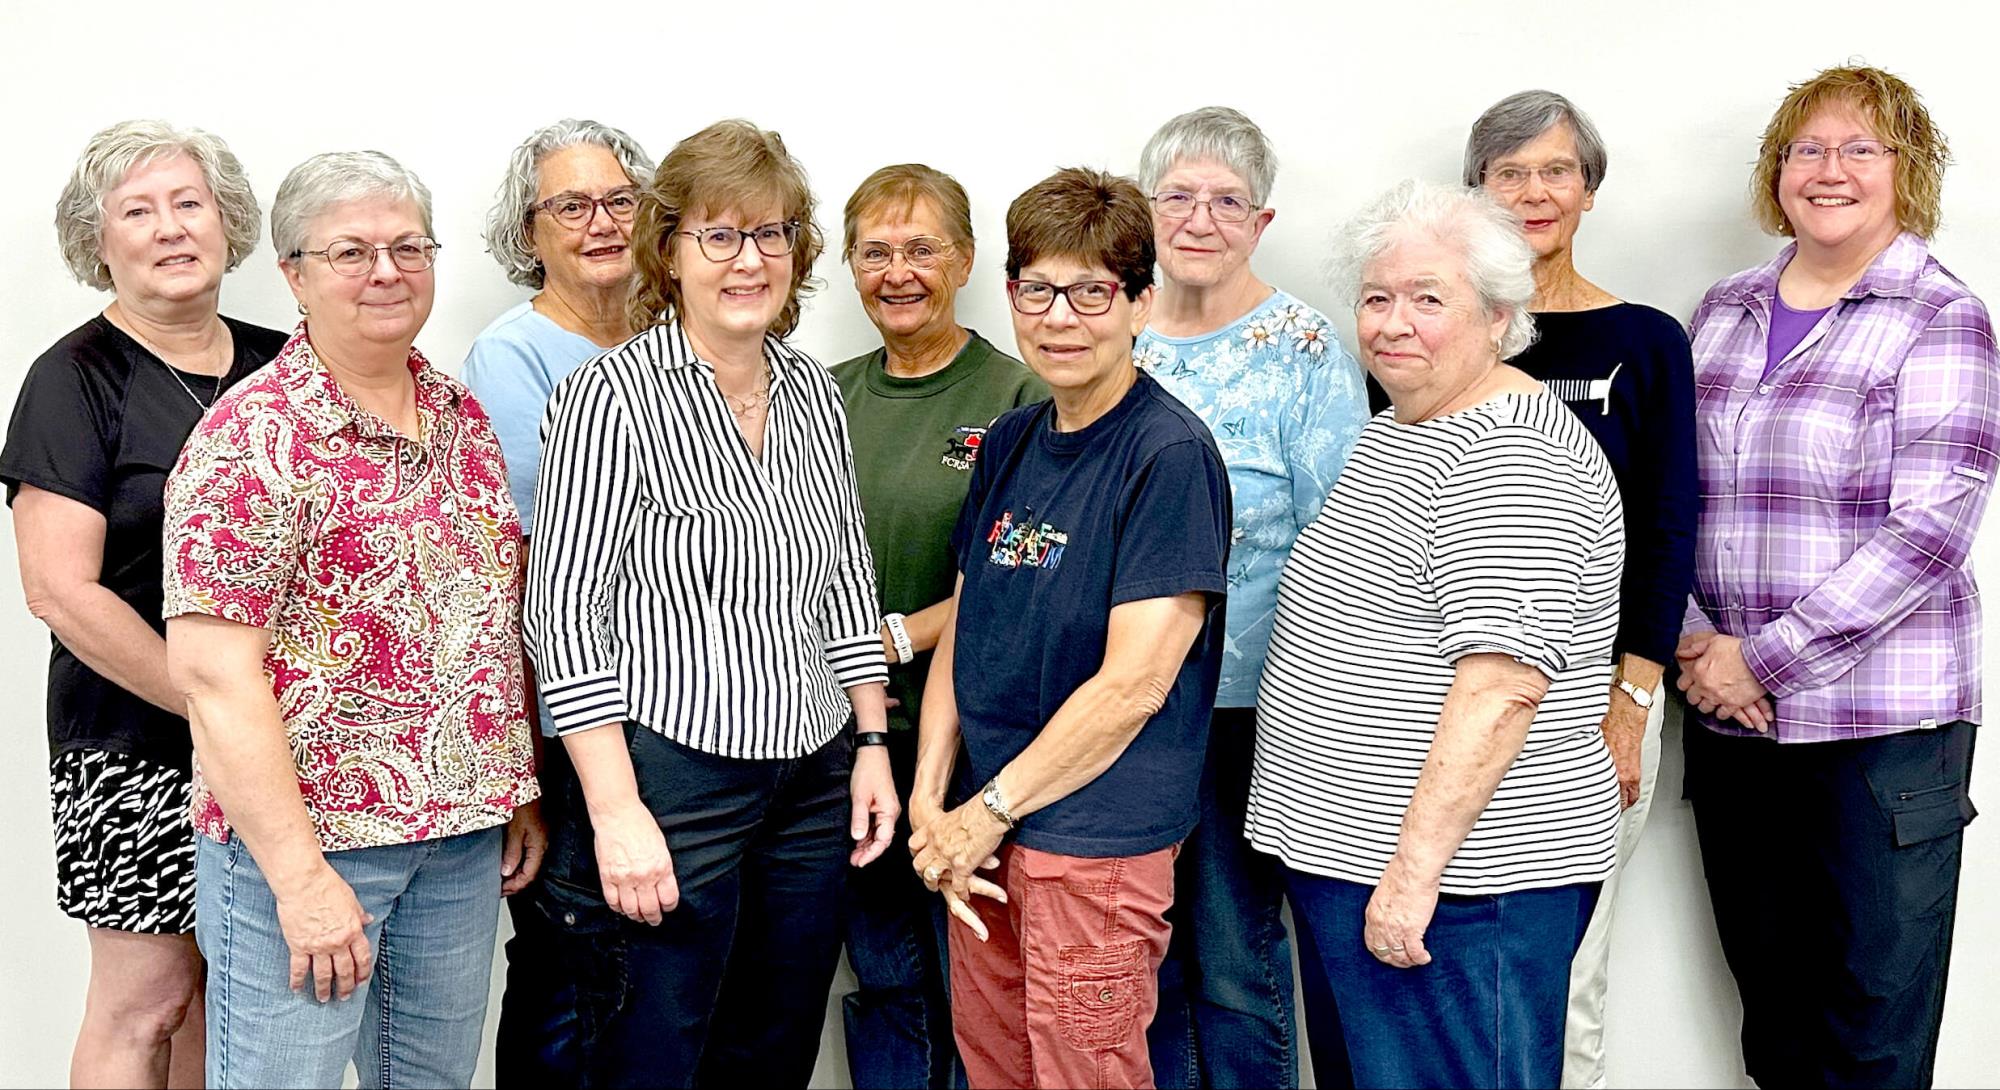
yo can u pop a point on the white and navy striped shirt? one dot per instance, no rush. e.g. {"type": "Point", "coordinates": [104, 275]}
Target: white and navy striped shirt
{"type": "Point", "coordinates": [676, 581]}
{"type": "Point", "coordinates": [1497, 529]}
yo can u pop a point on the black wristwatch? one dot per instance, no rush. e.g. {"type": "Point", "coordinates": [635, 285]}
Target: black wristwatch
{"type": "Point", "coordinates": [871, 738]}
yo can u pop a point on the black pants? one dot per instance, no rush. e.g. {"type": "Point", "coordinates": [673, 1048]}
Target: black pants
{"type": "Point", "coordinates": [1833, 869]}
{"type": "Point", "coordinates": [535, 1046]}
{"type": "Point", "coordinates": [730, 989]}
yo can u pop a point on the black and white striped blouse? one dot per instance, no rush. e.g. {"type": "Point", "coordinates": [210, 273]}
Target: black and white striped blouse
{"type": "Point", "coordinates": [1495, 529]}
{"type": "Point", "coordinates": [678, 582]}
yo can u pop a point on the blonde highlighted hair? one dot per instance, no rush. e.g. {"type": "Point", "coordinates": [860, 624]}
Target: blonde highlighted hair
{"type": "Point", "coordinates": [1900, 120]}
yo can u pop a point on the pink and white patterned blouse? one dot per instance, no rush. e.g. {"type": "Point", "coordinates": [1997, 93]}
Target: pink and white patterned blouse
{"type": "Point", "coordinates": [388, 571]}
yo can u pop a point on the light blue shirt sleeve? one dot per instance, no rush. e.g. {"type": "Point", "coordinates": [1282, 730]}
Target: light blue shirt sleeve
{"type": "Point", "coordinates": [510, 379]}
{"type": "Point", "coordinates": [1321, 429]}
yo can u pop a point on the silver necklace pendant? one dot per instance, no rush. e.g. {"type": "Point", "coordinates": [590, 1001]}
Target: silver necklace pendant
{"type": "Point", "coordinates": [204, 406]}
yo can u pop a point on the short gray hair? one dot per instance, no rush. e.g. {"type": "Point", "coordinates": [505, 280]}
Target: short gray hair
{"type": "Point", "coordinates": [1522, 116]}
{"type": "Point", "coordinates": [509, 233]}
{"type": "Point", "coordinates": [1498, 261]}
{"type": "Point", "coordinates": [112, 155]}
{"type": "Point", "coordinates": [1212, 132]}
{"type": "Point", "coordinates": [337, 177]}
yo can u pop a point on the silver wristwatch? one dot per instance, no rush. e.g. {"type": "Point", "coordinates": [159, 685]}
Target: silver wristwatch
{"type": "Point", "coordinates": [996, 805]}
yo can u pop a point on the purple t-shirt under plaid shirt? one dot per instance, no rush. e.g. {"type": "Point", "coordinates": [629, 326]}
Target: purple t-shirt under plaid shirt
{"type": "Point", "coordinates": [1841, 492]}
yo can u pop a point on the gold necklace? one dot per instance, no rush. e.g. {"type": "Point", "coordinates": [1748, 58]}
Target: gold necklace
{"type": "Point", "coordinates": [740, 407]}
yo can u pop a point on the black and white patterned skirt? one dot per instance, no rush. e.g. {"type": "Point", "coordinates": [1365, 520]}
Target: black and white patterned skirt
{"type": "Point", "coordinates": [124, 844]}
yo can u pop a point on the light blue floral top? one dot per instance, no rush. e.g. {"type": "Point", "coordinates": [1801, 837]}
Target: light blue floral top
{"type": "Point", "coordinates": [1286, 403]}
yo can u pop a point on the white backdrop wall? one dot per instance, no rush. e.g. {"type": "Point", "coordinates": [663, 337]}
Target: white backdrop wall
{"type": "Point", "coordinates": [1355, 97]}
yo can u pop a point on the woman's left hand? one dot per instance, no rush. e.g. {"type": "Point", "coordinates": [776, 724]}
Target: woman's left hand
{"type": "Point", "coordinates": [950, 851]}
{"type": "Point", "coordinates": [873, 807]}
{"type": "Point", "coordinates": [1716, 677]}
{"type": "Point", "coordinates": [527, 843]}
{"type": "Point", "coordinates": [1398, 915]}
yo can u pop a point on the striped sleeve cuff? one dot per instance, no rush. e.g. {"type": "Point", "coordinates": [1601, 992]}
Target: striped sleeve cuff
{"type": "Point", "coordinates": [586, 700]}
{"type": "Point", "coordinates": [856, 660]}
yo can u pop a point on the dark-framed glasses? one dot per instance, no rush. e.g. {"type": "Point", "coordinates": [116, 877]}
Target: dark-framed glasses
{"type": "Point", "coordinates": [1222, 208]}
{"type": "Point", "coordinates": [1560, 174]}
{"type": "Point", "coordinates": [1811, 153]}
{"type": "Point", "coordinates": [921, 252]}
{"type": "Point", "coordinates": [724, 243]}
{"type": "Point", "coordinates": [1086, 297]}
{"type": "Point", "coordinates": [572, 209]}
{"type": "Point", "coordinates": [353, 257]}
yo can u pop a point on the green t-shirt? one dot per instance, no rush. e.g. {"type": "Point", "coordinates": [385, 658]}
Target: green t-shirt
{"type": "Point", "coordinates": [915, 440]}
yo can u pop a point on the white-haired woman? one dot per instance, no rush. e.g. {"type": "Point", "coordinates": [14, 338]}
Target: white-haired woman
{"type": "Point", "coordinates": [343, 571]}
{"type": "Point", "coordinates": [561, 224]}
{"type": "Point", "coordinates": [1625, 370]}
{"type": "Point", "coordinates": [1285, 401]}
{"type": "Point", "coordinates": [1428, 761]}
{"type": "Point", "coordinates": [155, 215]}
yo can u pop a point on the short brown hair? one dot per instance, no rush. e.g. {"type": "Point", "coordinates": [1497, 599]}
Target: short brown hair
{"type": "Point", "coordinates": [1090, 216]}
{"type": "Point", "coordinates": [728, 166]}
{"type": "Point", "coordinates": [905, 185]}
{"type": "Point", "coordinates": [1899, 118]}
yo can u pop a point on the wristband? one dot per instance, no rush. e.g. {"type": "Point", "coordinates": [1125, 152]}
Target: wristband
{"type": "Point", "coordinates": [871, 738]}
{"type": "Point", "coordinates": [899, 636]}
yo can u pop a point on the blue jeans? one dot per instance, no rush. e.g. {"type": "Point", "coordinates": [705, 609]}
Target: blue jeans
{"type": "Point", "coordinates": [1226, 1002]}
{"type": "Point", "coordinates": [1489, 1009]}
{"type": "Point", "coordinates": [898, 1020]}
{"type": "Point", "coordinates": [416, 1022]}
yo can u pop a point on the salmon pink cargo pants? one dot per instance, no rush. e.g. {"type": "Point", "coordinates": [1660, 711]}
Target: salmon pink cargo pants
{"type": "Point", "coordinates": [1063, 989]}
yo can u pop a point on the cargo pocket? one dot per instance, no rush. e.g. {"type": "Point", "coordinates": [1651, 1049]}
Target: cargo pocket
{"type": "Point", "coordinates": [1098, 993]}
{"type": "Point", "coordinates": [1926, 823]}
{"type": "Point", "coordinates": [590, 936]}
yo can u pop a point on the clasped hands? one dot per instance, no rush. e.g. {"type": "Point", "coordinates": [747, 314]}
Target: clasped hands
{"type": "Point", "coordinates": [949, 848]}
{"type": "Point", "coordinates": [1719, 683]}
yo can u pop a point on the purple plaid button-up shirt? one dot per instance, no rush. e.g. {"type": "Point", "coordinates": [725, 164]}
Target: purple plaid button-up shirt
{"type": "Point", "coordinates": [1840, 494]}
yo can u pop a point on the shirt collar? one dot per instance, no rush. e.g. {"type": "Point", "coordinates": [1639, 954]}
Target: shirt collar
{"type": "Point", "coordinates": [679, 353]}
{"type": "Point", "coordinates": [1894, 272]}
{"type": "Point", "coordinates": [326, 409]}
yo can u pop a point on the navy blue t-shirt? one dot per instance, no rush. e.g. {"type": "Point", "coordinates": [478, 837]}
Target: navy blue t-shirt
{"type": "Point", "coordinates": [1057, 528]}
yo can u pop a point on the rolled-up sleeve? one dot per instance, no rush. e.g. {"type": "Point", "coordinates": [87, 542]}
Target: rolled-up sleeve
{"type": "Point", "coordinates": [1946, 437]}
{"type": "Point", "coordinates": [1507, 559]}
{"type": "Point", "coordinates": [587, 494]}
{"type": "Point", "coordinates": [850, 624]}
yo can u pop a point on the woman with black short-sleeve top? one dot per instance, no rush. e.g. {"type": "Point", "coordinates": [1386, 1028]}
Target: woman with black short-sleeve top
{"type": "Point", "coordinates": [155, 215]}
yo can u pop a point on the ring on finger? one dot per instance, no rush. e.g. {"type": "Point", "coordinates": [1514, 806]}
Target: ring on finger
{"type": "Point", "coordinates": [933, 872]}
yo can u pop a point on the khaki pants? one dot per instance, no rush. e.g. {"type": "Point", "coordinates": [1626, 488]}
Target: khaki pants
{"type": "Point", "coordinates": [1583, 1036]}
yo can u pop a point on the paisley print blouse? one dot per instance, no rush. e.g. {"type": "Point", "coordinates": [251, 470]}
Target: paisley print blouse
{"type": "Point", "coordinates": [388, 571]}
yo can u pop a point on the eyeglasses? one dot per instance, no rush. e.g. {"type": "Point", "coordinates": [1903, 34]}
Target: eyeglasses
{"type": "Point", "coordinates": [1226, 208]}
{"type": "Point", "coordinates": [353, 257]}
{"type": "Point", "coordinates": [1086, 297]}
{"type": "Point", "coordinates": [1557, 175]}
{"type": "Point", "coordinates": [724, 243]}
{"type": "Point", "coordinates": [921, 252]}
{"type": "Point", "coordinates": [578, 209]}
{"type": "Point", "coordinates": [1812, 153]}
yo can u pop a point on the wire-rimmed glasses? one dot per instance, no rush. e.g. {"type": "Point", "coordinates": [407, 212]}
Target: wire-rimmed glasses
{"type": "Point", "coordinates": [353, 257]}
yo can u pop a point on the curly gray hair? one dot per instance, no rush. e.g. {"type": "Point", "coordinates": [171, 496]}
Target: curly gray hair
{"type": "Point", "coordinates": [510, 235]}
{"type": "Point", "coordinates": [1498, 261]}
{"type": "Point", "coordinates": [336, 177]}
{"type": "Point", "coordinates": [112, 155]}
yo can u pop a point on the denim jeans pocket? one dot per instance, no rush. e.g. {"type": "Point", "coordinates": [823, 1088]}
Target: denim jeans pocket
{"type": "Point", "coordinates": [1098, 993]}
